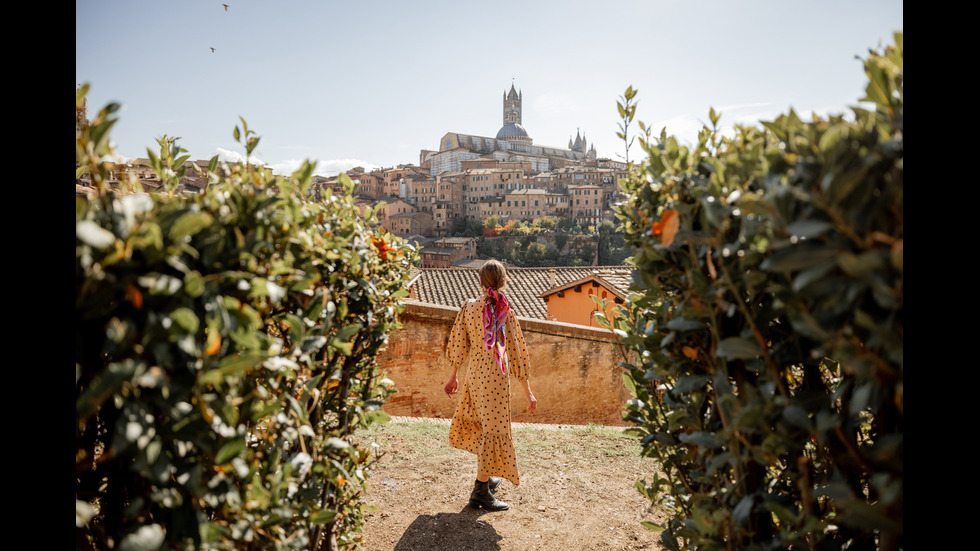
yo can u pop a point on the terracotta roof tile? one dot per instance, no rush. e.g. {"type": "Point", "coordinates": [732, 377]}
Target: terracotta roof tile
{"type": "Point", "coordinates": [453, 286]}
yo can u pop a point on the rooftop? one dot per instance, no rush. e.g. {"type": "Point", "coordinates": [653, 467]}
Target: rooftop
{"type": "Point", "coordinates": [510, 131]}
{"type": "Point", "coordinates": [453, 286]}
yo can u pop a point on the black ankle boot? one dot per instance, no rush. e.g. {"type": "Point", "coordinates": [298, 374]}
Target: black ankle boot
{"type": "Point", "coordinates": [481, 497]}
{"type": "Point", "coordinates": [493, 484]}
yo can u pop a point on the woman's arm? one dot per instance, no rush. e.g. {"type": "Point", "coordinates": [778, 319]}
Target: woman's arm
{"type": "Point", "coordinates": [517, 357]}
{"type": "Point", "coordinates": [532, 402]}
{"type": "Point", "coordinates": [457, 349]}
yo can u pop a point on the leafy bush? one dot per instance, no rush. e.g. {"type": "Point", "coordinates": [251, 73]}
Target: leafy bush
{"type": "Point", "coordinates": [766, 346]}
{"type": "Point", "coordinates": [225, 349]}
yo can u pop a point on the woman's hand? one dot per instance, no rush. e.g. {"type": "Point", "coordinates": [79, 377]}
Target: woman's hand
{"type": "Point", "coordinates": [532, 402]}
{"type": "Point", "coordinates": [451, 385]}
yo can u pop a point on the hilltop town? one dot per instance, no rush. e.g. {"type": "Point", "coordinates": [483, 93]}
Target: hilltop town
{"type": "Point", "coordinates": [470, 178]}
{"type": "Point", "coordinates": [467, 180]}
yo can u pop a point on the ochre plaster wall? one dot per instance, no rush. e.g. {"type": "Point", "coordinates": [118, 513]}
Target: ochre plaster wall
{"type": "Point", "coordinates": [574, 370]}
{"type": "Point", "coordinates": [578, 306]}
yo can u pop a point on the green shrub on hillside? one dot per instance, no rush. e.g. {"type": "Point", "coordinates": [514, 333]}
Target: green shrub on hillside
{"type": "Point", "coordinates": [767, 342]}
{"type": "Point", "coordinates": [225, 348]}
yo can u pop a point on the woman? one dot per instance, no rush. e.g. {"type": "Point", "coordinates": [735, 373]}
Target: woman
{"type": "Point", "coordinates": [487, 332]}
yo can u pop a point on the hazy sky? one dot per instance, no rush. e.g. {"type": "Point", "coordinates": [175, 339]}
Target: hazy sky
{"type": "Point", "coordinates": [370, 83]}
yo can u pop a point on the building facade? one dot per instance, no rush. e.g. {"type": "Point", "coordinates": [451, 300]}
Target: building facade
{"type": "Point", "coordinates": [512, 143]}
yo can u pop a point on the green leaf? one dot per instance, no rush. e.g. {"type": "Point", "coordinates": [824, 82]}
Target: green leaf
{"type": "Point", "coordinates": [682, 324]}
{"type": "Point", "coordinates": [805, 278]}
{"type": "Point", "coordinates": [741, 512]}
{"type": "Point", "coordinates": [344, 348]}
{"type": "Point", "coordinates": [190, 224]}
{"type": "Point", "coordinates": [634, 432]}
{"type": "Point", "coordinates": [346, 332]}
{"type": "Point", "coordinates": [186, 319]}
{"type": "Point", "coordinates": [229, 450]}
{"type": "Point", "coordinates": [687, 383]}
{"type": "Point", "coordinates": [700, 438]}
{"type": "Point", "coordinates": [859, 265]}
{"type": "Point", "coordinates": [807, 325]}
{"type": "Point", "coordinates": [231, 366]}
{"type": "Point", "coordinates": [628, 382]}
{"type": "Point", "coordinates": [194, 284]}
{"type": "Point", "coordinates": [642, 488]}
{"type": "Point", "coordinates": [797, 416]}
{"type": "Point", "coordinates": [737, 348]}
{"type": "Point", "coordinates": [808, 228]}
{"type": "Point", "coordinates": [108, 382]}
{"type": "Point", "coordinates": [651, 526]}
{"type": "Point", "coordinates": [323, 517]}
{"type": "Point", "coordinates": [870, 517]}
{"type": "Point", "coordinates": [793, 259]}
{"type": "Point", "coordinates": [832, 136]}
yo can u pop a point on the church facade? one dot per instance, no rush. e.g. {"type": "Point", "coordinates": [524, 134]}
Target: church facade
{"type": "Point", "coordinates": [511, 144]}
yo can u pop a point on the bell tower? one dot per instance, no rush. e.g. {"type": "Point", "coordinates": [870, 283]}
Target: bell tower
{"type": "Point", "coordinates": [512, 106]}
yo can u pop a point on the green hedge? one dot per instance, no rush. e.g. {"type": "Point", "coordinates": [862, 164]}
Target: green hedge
{"type": "Point", "coordinates": [225, 348]}
{"type": "Point", "coordinates": [765, 341]}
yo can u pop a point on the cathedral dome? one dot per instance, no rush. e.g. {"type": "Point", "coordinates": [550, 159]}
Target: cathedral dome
{"type": "Point", "coordinates": [511, 131]}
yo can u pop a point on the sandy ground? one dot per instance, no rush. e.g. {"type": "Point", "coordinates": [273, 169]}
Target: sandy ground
{"type": "Point", "coordinates": [577, 492]}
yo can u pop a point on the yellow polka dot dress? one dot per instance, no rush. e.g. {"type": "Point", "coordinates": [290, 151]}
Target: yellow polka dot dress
{"type": "Point", "coordinates": [481, 423]}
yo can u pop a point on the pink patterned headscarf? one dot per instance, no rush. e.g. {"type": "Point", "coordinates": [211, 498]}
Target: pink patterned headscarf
{"type": "Point", "coordinates": [495, 310]}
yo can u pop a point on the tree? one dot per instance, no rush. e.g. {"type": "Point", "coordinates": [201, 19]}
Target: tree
{"type": "Point", "coordinates": [765, 336]}
{"type": "Point", "coordinates": [225, 354]}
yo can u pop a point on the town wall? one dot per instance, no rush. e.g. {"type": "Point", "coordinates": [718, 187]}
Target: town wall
{"type": "Point", "coordinates": [575, 374]}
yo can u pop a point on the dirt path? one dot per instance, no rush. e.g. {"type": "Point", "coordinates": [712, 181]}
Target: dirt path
{"type": "Point", "coordinates": [576, 492]}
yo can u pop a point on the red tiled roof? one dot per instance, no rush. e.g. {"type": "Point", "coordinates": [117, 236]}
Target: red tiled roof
{"type": "Point", "coordinates": [453, 286]}
{"type": "Point", "coordinates": [617, 283]}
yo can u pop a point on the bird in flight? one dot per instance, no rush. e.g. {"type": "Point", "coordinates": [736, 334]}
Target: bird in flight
{"type": "Point", "coordinates": [226, 6]}
{"type": "Point", "coordinates": [212, 49]}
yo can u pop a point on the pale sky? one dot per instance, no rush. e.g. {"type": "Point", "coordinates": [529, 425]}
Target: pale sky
{"type": "Point", "coordinates": [370, 83]}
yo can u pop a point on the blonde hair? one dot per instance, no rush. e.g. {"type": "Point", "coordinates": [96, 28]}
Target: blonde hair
{"type": "Point", "coordinates": [493, 274]}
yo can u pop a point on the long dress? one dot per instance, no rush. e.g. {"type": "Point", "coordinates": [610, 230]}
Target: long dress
{"type": "Point", "coordinates": [481, 423]}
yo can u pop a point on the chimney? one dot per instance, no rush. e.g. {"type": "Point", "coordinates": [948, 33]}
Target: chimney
{"type": "Point", "coordinates": [551, 278]}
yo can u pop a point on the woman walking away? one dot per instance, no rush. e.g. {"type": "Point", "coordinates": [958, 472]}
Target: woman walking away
{"type": "Point", "coordinates": [486, 332]}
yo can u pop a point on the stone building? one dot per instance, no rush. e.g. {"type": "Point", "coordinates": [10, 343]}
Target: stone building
{"type": "Point", "coordinates": [422, 193]}
{"type": "Point", "coordinates": [573, 302]}
{"type": "Point", "coordinates": [586, 203]}
{"type": "Point", "coordinates": [410, 223]}
{"type": "Point", "coordinates": [511, 143]}
{"type": "Point", "coordinates": [445, 252]}
{"type": "Point", "coordinates": [471, 177]}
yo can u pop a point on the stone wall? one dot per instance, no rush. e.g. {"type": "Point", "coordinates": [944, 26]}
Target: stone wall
{"type": "Point", "coordinates": [574, 370]}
